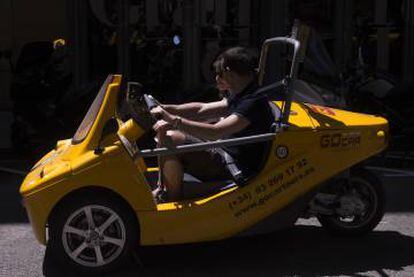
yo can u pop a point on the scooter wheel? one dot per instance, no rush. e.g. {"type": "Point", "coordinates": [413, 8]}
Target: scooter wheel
{"type": "Point", "coordinates": [360, 208]}
{"type": "Point", "coordinates": [92, 233]}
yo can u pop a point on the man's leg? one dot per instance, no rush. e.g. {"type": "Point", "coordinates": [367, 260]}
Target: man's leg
{"type": "Point", "coordinates": [171, 167]}
{"type": "Point", "coordinates": [172, 176]}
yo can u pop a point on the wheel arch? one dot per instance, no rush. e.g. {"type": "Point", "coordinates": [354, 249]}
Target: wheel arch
{"type": "Point", "coordinates": [92, 190]}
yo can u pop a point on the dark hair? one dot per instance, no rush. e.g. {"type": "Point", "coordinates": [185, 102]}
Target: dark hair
{"type": "Point", "coordinates": [241, 60]}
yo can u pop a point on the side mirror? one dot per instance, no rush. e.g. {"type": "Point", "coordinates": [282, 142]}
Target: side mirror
{"type": "Point", "coordinates": [110, 127]}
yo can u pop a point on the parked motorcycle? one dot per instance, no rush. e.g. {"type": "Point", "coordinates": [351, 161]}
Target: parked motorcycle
{"type": "Point", "coordinates": [359, 87]}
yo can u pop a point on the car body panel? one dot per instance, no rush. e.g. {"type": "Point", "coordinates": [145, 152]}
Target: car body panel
{"type": "Point", "coordinates": [281, 181]}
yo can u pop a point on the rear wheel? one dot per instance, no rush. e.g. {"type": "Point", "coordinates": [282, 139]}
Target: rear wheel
{"type": "Point", "coordinates": [93, 233]}
{"type": "Point", "coordinates": [360, 205]}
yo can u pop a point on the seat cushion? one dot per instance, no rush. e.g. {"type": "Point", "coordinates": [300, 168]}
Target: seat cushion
{"type": "Point", "coordinates": [193, 187]}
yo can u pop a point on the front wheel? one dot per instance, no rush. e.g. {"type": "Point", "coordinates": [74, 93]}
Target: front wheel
{"type": "Point", "coordinates": [360, 205]}
{"type": "Point", "coordinates": [92, 233]}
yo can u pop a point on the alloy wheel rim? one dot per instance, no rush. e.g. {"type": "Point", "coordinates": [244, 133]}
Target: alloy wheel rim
{"type": "Point", "coordinates": [94, 236]}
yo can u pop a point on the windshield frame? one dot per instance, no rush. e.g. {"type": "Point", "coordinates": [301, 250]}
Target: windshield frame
{"type": "Point", "coordinates": [88, 121]}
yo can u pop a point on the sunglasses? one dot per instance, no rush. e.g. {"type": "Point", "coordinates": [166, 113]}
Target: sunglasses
{"type": "Point", "coordinates": [221, 72]}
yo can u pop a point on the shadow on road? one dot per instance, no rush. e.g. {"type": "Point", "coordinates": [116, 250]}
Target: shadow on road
{"type": "Point", "coordinates": [303, 250]}
{"type": "Point", "coordinates": [399, 194]}
{"type": "Point", "coordinates": [11, 209]}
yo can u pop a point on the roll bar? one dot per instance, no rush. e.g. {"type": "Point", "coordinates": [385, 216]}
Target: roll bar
{"type": "Point", "coordinates": [290, 41]}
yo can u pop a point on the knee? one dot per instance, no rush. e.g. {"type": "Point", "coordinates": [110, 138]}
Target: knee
{"type": "Point", "coordinates": [176, 137]}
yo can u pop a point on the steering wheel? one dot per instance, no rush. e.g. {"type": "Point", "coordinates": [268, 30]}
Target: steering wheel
{"type": "Point", "coordinates": [140, 105]}
{"type": "Point", "coordinates": [151, 103]}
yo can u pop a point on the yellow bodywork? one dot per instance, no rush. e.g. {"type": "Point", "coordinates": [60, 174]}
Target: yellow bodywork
{"type": "Point", "coordinates": [320, 143]}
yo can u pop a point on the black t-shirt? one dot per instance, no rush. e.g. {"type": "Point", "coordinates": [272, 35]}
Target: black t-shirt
{"type": "Point", "coordinates": [256, 109]}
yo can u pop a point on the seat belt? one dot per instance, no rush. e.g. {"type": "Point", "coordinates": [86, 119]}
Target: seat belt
{"type": "Point", "coordinates": [232, 167]}
{"type": "Point", "coordinates": [230, 163]}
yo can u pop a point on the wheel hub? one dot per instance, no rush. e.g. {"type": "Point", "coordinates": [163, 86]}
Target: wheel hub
{"type": "Point", "coordinates": [351, 205]}
{"type": "Point", "coordinates": [93, 238]}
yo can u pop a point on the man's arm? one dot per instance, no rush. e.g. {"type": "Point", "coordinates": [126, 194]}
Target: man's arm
{"type": "Point", "coordinates": [198, 111]}
{"type": "Point", "coordinates": [225, 127]}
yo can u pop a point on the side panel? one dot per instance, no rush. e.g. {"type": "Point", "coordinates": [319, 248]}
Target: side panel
{"type": "Point", "coordinates": [309, 162]}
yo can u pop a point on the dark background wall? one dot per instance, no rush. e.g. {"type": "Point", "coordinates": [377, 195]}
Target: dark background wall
{"type": "Point", "coordinates": [23, 21]}
{"type": "Point", "coordinates": [136, 37]}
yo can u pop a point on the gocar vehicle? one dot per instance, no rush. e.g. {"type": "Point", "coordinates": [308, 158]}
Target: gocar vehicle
{"type": "Point", "coordinates": [89, 199]}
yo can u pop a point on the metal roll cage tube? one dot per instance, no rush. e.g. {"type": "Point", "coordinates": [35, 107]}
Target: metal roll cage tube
{"type": "Point", "coordinates": [293, 70]}
{"type": "Point", "coordinates": [163, 151]}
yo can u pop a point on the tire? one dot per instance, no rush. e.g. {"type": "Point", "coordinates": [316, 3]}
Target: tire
{"type": "Point", "coordinates": [92, 233]}
{"type": "Point", "coordinates": [369, 190]}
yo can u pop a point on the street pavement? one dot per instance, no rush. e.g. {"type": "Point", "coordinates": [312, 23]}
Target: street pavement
{"type": "Point", "coordinates": [304, 250]}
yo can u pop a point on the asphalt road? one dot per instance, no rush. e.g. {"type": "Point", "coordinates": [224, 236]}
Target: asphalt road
{"type": "Point", "coordinates": [305, 250]}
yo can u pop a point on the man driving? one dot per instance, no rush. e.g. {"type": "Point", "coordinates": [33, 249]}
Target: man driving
{"type": "Point", "coordinates": [242, 113]}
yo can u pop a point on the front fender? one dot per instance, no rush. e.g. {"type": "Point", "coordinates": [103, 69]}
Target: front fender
{"type": "Point", "coordinates": [115, 171]}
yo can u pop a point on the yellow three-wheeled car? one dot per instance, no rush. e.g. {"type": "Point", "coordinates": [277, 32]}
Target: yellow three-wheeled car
{"type": "Point", "coordinates": [89, 199]}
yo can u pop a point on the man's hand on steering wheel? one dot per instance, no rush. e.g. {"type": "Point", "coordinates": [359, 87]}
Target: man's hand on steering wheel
{"type": "Point", "coordinates": [161, 114]}
{"type": "Point", "coordinates": [165, 122]}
